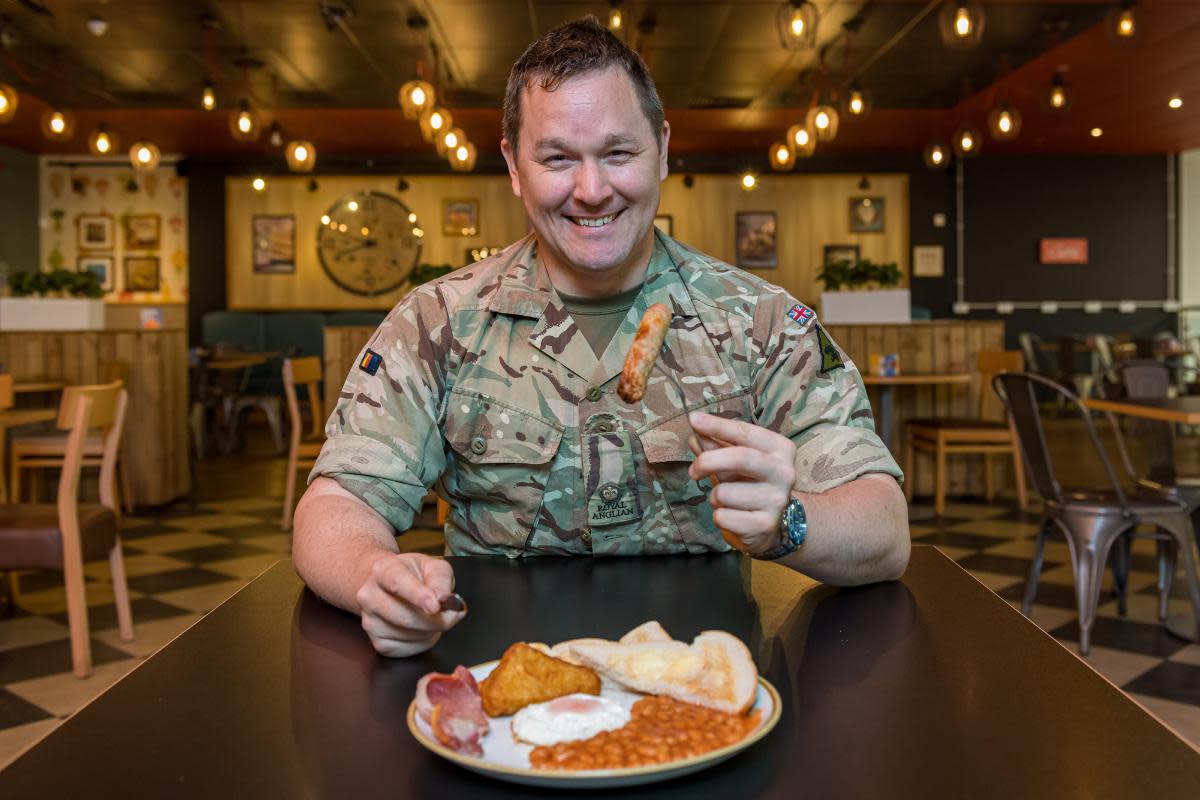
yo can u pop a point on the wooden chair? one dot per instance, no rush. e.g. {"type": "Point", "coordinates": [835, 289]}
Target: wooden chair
{"type": "Point", "coordinates": [62, 536]}
{"type": "Point", "coordinates": [302, 449]}
{"type": "Point", "coordinates": [34, 452]}
{"type": "Point", "coordinates": [988, 434]}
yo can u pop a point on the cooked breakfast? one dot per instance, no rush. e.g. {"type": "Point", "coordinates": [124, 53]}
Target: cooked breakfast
{"type": "Point", "coordinates": [651, 333]}
{"type": "Point", "coordinates": [660, 700]}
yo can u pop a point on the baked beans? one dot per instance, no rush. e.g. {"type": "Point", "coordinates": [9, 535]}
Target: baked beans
{"type": "Point", "coordinates": [661, 729]}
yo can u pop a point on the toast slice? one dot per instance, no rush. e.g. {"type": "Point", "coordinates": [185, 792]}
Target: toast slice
{"type": "Point", "coordinates": [715, 671]}
{"type": "Point", "coordinates": [650, 631]}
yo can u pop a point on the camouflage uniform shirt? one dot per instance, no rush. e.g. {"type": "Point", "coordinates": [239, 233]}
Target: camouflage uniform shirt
{"type": "Point", "coordinates": [481, 380]}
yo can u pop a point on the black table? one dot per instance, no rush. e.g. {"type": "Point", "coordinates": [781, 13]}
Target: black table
{"type": "Point", "coordinates": [931, 687]}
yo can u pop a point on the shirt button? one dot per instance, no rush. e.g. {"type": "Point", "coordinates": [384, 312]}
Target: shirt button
{"type": "Point", "coordinates": [594, 394]}
{"type": "Point", "coordinates": [479, 445]}
{"type": "Point", "coordinates": [604, 426]}
{"type": "Point", "coordinates": [586, 536]}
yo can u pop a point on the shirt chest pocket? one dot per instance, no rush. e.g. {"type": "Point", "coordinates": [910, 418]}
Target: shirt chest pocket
{"type": "Point", "coordinates": [500, 463]}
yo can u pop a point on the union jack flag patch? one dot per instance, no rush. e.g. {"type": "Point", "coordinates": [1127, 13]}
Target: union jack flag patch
{"type": "Point", "coordinates": [802, 314]}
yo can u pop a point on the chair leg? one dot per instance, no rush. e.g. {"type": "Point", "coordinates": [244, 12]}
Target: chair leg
{"type": "Point", "coordinates": [14, 587]}
{"type": "Point", "coordinates": [77, 614]}
{"type": "Point", "coordinates": [289, 492]}
{"type": "Point", "coordinates": [123, 481]}
{"type": "Point", "coordinates": [989, 485]}
{"type": "Point", "coordinates": [1166, 575]}
{"type": "Point", "coordinates": [272, 408]}
{"type": "Point", "coordinates": [443, 511]}
{"type": "Point", "coordinates": [116, 563]}
{"type": "Point", "coordinates": [1121, 561]}
{"type": "Point", "coordinates": [1185, 538]}
{"type": "Point", "coordinates": [908, 465]}
{"type": "Point", "coordinates": [939, 499]}
{"type": "Point", "coordinates": [1035, 569]}
{"type": "Point", "coordinates": [1019, 479]}
{"type": "Point", "coordinates": [1089, 560]}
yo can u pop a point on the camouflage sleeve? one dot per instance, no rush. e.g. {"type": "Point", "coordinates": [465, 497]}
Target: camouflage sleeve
{"type": "Point", "coordinates": [807, 389]}
{"type": "Point", "coordinates": [382, 440]}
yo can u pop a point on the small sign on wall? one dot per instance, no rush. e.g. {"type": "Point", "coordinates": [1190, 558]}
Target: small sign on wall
{"type": "Point", "coordinates": [928, 261]}
{"type": "Point", "coordinates": [1063, 251]}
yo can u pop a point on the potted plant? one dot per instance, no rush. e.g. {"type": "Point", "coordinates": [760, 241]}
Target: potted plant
{"type": "Point", "coordinates": [59, 300]}
{"type": "Point", "coordinates": [861, 291]}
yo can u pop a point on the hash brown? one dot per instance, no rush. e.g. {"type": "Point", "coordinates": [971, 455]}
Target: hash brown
{"type": "Point", "coordinates": [525, 675]}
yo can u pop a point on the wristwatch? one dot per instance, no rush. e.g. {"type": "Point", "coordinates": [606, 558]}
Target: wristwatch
{"type": "Point", "coordinates": [793, 529]}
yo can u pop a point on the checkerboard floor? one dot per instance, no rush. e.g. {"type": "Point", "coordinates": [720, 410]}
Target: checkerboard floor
{"type": "Point", "coordinates": [183, 562]}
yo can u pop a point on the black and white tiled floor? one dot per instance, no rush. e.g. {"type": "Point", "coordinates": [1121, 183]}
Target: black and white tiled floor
{"type": "Point", "coordinates": [183, 563]}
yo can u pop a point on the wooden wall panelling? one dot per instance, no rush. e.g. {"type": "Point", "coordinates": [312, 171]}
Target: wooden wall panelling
{"type": "Point", "coordinates": [342, 346]}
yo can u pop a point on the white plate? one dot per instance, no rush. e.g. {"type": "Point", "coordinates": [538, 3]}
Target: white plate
{"type": "Point", "coordinates": [505, 758]}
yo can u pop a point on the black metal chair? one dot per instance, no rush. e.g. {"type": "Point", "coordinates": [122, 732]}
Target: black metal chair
{"type": "Point", "coordinates": [1091, 521]}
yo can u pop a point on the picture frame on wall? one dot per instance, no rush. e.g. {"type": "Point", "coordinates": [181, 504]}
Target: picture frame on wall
{"type": "Point", "coordinates": [867, 214]}
{"type": "Point", "coordinates": [100, 266]}
{"type": "Point", "coordinates": [835, 253]}
{"type": "Point", "coordinates": [141, 274]}
{"type": "Point", "coordinates": [460, 216]}
{"type": "Point", "coordinates": [94, 231]}
{"type": "Point", "coordinates": [273, 240]}
{"type": "Point", "coordinates": [755, 240]}
{"type": "Point", "coordinates": [665, 223]}
{"type": "Point", "coordinates": [143, 231]}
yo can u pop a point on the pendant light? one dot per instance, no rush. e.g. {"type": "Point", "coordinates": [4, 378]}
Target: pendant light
{"type": "Point", "coordinates": [1004, 123]}
{"type": "Point", "coordinates": [748, 181]}
{"type": "Point", "coordinates": [8, 102]}
{"type": "Point", "coordinates": [463, 157]}
{"type": "Point", "coordinates": [144, 156]}
{"type": "Point", "coordinates": [301, 156]}
{"type": "Point", "coordinates": [450, 140]}
{"type": "Point", "coordinates": [797, 24]}
{"type": "Point", "coordinates": [208, 97]}
{"type": "Point", "coordinates": [1122, 23]}
{"type": "Point", "coordinates": [937, 156]}
{"type": "Point", "coordinates": [858, 102]}
{"type": "Point", "coordinates": [822, 120]}
{"type": "Point", "coordinates": [1057, 99]}
{"type": "Point", "coordinates": [960, 23]}
{"type": "Point", "coordinates": [616, 18]}
{"type": "Point", "coordinates": [58, 125]}
{"type": "Point", "coordinates": [781, 156]}
{"type": "Point", "coordinates": [258, 183]}
{"type": "Point", "coordinates": [800, 140]}
{"type": "Point", "coordinates": [966, 140]}
{"type": "Point", "coordinates": [243, 123]}
{"type": "Point", "coordinates": [101, 142]}
{"type": "Point", "coordinates": [416, 96]}
{"type": "Point", "coordinates": [434, 123]}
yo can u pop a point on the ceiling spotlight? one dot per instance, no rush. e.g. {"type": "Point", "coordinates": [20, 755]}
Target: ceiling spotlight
{"type": "Point", "coordinates": [58, 125]}
{"type": "Point", "coordinates": [144, 156]}
{"type": "Point", "coordinates": [313, 185]}
{"type": "Point", "coordinates": [797, 24]}
{"type": "Point", "coordinates": [801, 140]}
{"type": "Point", "coordinates": [416, 96]}
{"type": "Point", "coordinates": [275, 136]}
{"type": "Point", "coordinates": [1058, 96]}
{"type": "Point", "coordinates": [616, 20]}
{"type": "Point", "coordinates": [401, 185]}
{"type": "Point", "coordinates": [258, 183]}
{"type": "Point", "coordinates": [208, 97]}
{"type": "Point", "coordinates": [822, 120]}
{"type": "Point", "coordinates": [243, 123]}
{"type": "Point", "coordinates": [689, 181]}
{"type": "Point", "coordinates": [1122, 22]}
{"type": "Point", "coordinates": [961, 23]}
{"type": "Point", "coordinates": [97, 25]}
{"type": "Point", "coordinates": [1175, 102]}
{"type": "Point", "coordinates": [864, 184]}
{"type": "Point", "coordinates": [435, 122]}
{"type": "Point", "coordinates": [101, 142]}
{"type": "Point", "coordinates": [966, 140]}
{"type": "Point", "coordinates": [301, 156]}
{"type": "Point", "coordinates": [1004, 123]}
{"type": "Point", "coordinates": [8, 102]}
{"type": "Point", "coordinates": [858, 101]}
{"type": "Point", "coordinates": [782, 157]}
{"type": "Point", "coordinates": [936, 156]}
{"type": "Point", "coordinates": [1097, 133]}
{"type": "Point", "coordinates": [749, 181]}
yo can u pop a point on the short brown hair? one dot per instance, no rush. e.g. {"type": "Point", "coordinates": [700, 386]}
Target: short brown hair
{"type": "Point", "coordinates": [573, 49]}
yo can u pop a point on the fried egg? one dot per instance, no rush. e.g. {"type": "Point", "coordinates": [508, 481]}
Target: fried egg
{"type": "Point", "coordinates": [575, 716]}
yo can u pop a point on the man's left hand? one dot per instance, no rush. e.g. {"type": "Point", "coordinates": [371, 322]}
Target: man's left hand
{"type": "Point", "coordinates": [756, 470]}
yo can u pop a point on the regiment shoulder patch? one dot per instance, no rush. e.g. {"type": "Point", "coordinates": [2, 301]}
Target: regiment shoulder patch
{"type": "Point", "coordinates": [802, 314]}
{"type": "Point", "coordinates": [831, 359]}
{"type": "Point", "coordinates": [370, 362]}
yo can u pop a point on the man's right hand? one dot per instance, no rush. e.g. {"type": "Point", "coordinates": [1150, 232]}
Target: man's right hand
{"type": "Point", "coordinates": [400, 602]}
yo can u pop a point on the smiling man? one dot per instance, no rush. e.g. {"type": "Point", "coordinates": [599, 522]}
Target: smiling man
{"type": "Point", "coordinates": [497, 383]}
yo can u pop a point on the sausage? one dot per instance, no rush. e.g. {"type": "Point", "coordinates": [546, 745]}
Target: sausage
{"type": "Point", "coordinates": [651, 333]}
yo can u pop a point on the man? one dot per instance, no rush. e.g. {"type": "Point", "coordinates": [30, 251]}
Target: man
{"type": "Point", "coordinates": [499, 381]}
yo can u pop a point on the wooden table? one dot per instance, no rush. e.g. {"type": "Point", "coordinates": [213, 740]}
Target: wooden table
{"type": "Point", "coordinates": [13, 418]}
{"type": "Point", "coordinates": [1184, 410]}
{"type": "Point", "coordinates": [887, 384]}
{"type": "Point", "coordinates": [928, 687]}
{"type": "Point", "coordinates": [27, 387]}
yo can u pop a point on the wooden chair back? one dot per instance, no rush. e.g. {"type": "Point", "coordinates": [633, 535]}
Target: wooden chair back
{"type": "Point", "coordinates": [304, 371]}
{"type": "Point", "coordinates": [106, 405]}
{"type": "Point", "coordinates": [991, 363]}
{"type": "Point", "coordinates": [6, 390]}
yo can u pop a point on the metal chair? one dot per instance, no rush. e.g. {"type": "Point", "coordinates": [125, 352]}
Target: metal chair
{"type": "Point", "coordinates": [1091, 521]}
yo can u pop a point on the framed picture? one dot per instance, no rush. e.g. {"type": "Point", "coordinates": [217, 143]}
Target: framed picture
{"type": "Point", "coordinates": [460, 217]}
{"type": "Point", "coordinates": [141, 273]}
{"type": "Point", "coordinates": [754, 242]}
{"type": "Point", "coordinates": [142, 231]}
{"type": "Point", "coordinates": [100, 266]}
{"type": "Point", "coordinates": [840, 252]}
{"type": "Point", "coordinates": [274, 243]}
{"type": "Point", "coordinates": [480, 253]}
{"type": "Point", "coordinates": [665, 224]}
{"type": "Point", "coordinates": [94, 231]}
{"type": "Point", "coordinates": [866, 214]}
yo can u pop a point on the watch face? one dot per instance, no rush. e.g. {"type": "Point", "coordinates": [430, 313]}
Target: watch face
{"type": "Point", "coordinates": [368, 243]}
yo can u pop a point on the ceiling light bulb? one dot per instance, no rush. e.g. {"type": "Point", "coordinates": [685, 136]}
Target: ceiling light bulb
{"type": "Point", "coordinates": [352, 205]}
{"type": "Point", "coordinates": [1125, 23]}
{"type": "Point", "coordinates": [967, 141]}
{"type": "Point", "coordinates": [324, 219]}
{"type": "Point", "coordinates": [259, 184]}
{"type": "Point", "coordinates": [1097, 133]}
{"type": "Point", "coordinates": [58, 125]}
{"type": "Point", "coordinates": [101, 142]}
{"type": "Point", "coordinates": [244, 124]}
{"type": "Point", "coordinates": [3, 103]}
{"type": "Point", "coordinates": [436, 121]}
{"type": "Point", "coordinates": [97, 25]}
{"type": "Point", "coordinates": [301, 156]}
{"type": "Point", "coordinates": [451, 140]}
{"type": "Point", "coordinates": [300, 152]}
{"type": "Point", "coordinates": [615, 19]}
{"type": "Point", "coordinates": [937, 155]}
{"type": "Point", "coordinates": [781, 156]}
{"type": "Point", "coordinates": [460, 152]}
{"type": "Point", "coordinates": [822, 120]}
{"type": "Point", "coordinates": [962, 22]}
{"type": "Point", "coordinates": [801, 137]}
{"type": "Point", "coordinates": [412, 218]}
{"type": "Point", "coordinates": [749, 181]}
{"type": "Point", "coordinates": [797, 24]}
{"type": "Point", "coordinates": [1175, 102]}
{"type": "Point", "coordinates": [856, 104]}
{"type": "Point", "coordinates": [144, 156]}
{"type": "Point", "coordinates": [781, 153]}
{"type": "Point", "coordinates": [208, 98]}
{"type": "Point", "coordinates": [415, 97]}
{"type": "Point", "coordinates": [1058, 97]}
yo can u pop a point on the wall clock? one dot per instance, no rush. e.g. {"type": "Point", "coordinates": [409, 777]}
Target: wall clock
{"type": "Point", "coordinates": [368, 243]}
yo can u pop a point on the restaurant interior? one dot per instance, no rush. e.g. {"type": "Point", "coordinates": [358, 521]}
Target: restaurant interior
{"type": "Point", "coordinates": [208, 207]}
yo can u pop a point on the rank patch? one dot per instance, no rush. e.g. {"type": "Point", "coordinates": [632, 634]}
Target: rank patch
{"type": "Point", "coordinates": [802, 314]}
{"type": "Point", "coordinates": [831, 359]}
{"type": "Point", "coordinates": [370, 362]}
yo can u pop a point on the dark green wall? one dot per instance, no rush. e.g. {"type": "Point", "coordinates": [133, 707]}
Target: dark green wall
{"type": "Point", "coordinates": [18, 211]}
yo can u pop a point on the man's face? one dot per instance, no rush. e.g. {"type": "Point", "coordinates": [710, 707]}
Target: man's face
{"type": "Point", "coordinates": [588, 169]}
